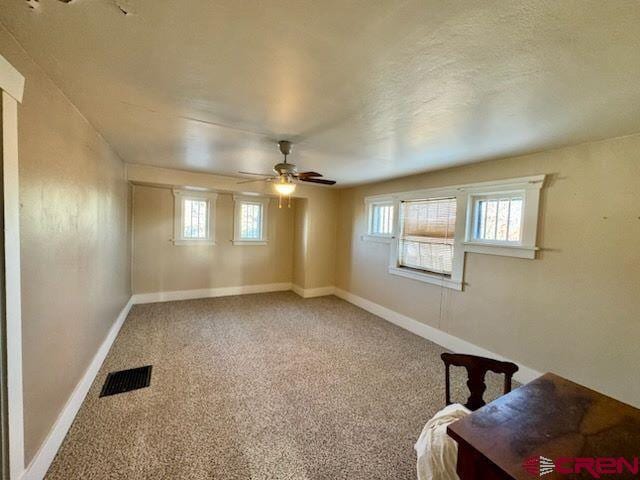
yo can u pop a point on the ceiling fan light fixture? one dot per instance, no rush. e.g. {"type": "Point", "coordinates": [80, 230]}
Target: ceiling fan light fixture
{"type": "Point", "coordinates": [284, 186]}
{"type": "Point", "coordinates": [287, 175]}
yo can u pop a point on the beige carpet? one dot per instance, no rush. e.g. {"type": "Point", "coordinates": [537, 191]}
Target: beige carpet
{"type": "Point", "coordinates": [268, 386]}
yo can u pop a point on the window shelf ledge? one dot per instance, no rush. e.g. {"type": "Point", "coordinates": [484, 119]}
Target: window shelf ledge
{"type": "Point", "coordinates": [376, 238]}
{"type": "Point", "coordinates": [182, 243]}
{"type": "Point", "coordinates": [249, 242]}
{"type": "Point", "coordinates": [434, 279]}
{"type": "Point", "coordinates": [519, 251]}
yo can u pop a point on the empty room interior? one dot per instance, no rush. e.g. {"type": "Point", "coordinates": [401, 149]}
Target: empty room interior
{"type": "Point", "coordinates": [316, 240]}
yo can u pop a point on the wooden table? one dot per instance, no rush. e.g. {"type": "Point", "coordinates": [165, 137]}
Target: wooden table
{"type": "Point", "coordinates": [553, 418]}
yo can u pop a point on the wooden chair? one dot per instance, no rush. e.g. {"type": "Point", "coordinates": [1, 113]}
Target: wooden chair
{"type": "Point", "coordinates": [477, 368]}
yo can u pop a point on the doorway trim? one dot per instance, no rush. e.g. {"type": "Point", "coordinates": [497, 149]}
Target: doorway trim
{"type": "Point", "coordinates": [12, 87]}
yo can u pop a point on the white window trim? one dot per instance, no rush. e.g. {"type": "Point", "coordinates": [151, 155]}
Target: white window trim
{"type": "Point", "coordinates": [377, 238]}
{"type": "Point", "coordinates": [11, 90]}
{"type": "Point", "coordinates": [530, 187]}
{"type": "Point", "coordinates": [178, 234]}
{"type": "Point", "coordinates": [238, 200]}
{"type": "Point", "coordinates": [369, 203]}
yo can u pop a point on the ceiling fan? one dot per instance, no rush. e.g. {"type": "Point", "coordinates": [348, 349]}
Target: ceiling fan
{"type": "Point", "coordinates": [286, 174]}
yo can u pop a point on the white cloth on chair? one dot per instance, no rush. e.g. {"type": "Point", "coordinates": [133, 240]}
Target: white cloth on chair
{"type": "Point", "coordinates": [438, 452]}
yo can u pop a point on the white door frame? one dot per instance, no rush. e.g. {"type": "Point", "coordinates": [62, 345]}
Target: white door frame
{"type": "Point", "coordinates": [12, 87]}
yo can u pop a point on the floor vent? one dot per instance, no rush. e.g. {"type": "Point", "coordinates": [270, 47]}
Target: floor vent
{"type": "Point", "coordinates": [126, 380]}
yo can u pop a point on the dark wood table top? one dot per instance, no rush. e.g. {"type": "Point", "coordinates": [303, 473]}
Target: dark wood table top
{"type": "Point", "coordinates": [551, 417]}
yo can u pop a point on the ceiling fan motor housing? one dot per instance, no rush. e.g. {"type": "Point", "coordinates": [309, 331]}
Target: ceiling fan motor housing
{"type": "Point", "coordinates": [285, 169]}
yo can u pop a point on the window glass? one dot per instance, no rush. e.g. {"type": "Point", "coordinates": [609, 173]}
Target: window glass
{"type": "Point", "coordinates": [250, 221]}
{"type": "Point", "coordinates": [194, 214]}
{"type": "Point", "coordinates": [498, 219]}
{"type": "Point", "coordinates": [381, 222]}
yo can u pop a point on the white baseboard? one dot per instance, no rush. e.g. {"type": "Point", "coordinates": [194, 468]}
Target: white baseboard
{"type": "Point", "coordinates": [38, 467]}
{"type": "Point", "coordinates": [446, 340]}
{"type": "Point", "coordinates": [313, 292]}
{"type": "Point", "coordinates": [154, 297]}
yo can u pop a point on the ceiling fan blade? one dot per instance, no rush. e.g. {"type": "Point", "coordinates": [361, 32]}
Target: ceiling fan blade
{"type": "Point", "coordinates": [256, 180]}
{"type": "Point", "coordinates": [258, 174]}
{"type": "Point", "coordinates": [318, 180]}
{"type": "Point", "coordinates": [309, 174]}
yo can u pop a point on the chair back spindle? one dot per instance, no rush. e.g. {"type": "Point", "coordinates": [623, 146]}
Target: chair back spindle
{"type": "Point", "coordinates": [477, 368]}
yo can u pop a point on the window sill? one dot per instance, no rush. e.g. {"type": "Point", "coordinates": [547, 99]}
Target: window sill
{"type": "Point", "coordinates": [249, 242]}
{"type": "Point", "coordinates": [183, 243]}
{"type": "Point", "coordinates": [519, 251]}
{"type": "Point", "coordinates": [432, 278]}
{"type": "Point", "coordinates": [376, 238]}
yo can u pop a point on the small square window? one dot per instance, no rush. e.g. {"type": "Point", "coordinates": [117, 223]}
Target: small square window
{"type": "Point", "coordinates": [381, 219]}
{"type": "Point", "coordinates": [498, 219]}
{"type": "Point", "coordinates": [250, 221]}
{"type": "Point", "coordinates": [194, 214]}
{"type": "Point", "coordinates": [194, 218]}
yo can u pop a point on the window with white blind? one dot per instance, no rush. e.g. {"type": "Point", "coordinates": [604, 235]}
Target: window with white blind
{"type": "Point", "coordinates": [250, 220]}
{"type": "Point", "coordinates": [427, 235]}
{"type": "Point", "coordinates": [428, 245]}
{"type": "Point", "coordinates": [194, 213]}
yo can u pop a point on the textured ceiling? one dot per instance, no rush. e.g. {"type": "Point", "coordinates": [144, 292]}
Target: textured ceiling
{"type": "Point", "coordinates": [369, 89]}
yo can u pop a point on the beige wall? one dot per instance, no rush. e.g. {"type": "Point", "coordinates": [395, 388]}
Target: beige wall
{"type": "Point", "coordinates": [300, 242]}
{"type": "Point", "coordinates": [315, 241]}
{"type": "Point", "coordinates": [575, 310]}
{"type": "Point", "coordinates": [321, 225]}
{"type": "Point", "coordinates": [75, 267]}
{"type": "Point", "coordinates": [161, 266]}
{"type": "Point", "coordinates": [318, 207]}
